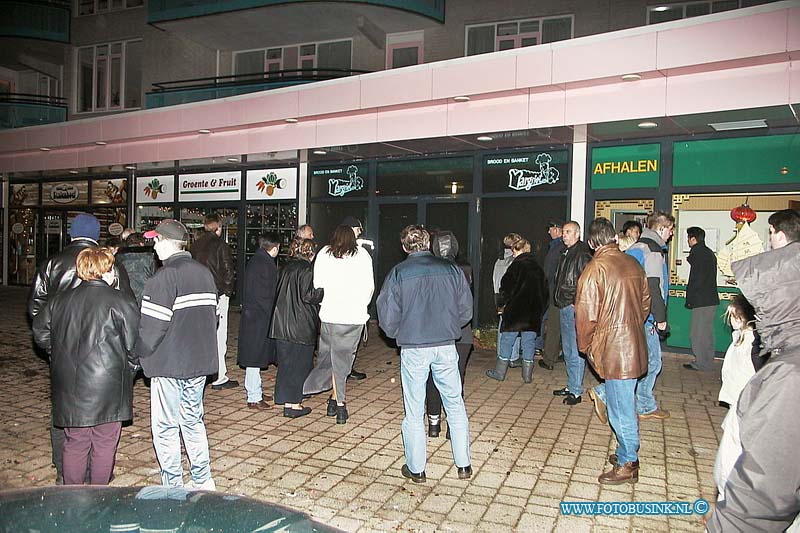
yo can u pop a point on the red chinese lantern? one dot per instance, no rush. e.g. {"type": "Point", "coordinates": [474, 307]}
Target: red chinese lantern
{"type": "Point", "coordinates": [743, 213]}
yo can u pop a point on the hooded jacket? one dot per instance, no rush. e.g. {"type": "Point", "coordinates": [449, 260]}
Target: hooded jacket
{"type": "Point", "coordinates": [445, 245]}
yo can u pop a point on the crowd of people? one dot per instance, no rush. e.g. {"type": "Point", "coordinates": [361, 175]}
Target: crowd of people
{"type": "Point", "coordinates": [103, 314]}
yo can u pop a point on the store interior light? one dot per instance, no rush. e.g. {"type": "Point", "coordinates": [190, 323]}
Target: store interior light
{"type": "Point", "coordinates": [648, 125]}
{"type": "Point", "coordinates": [660, 8]}
{"type": "Point", "coordinates": [485, 138]}
{"type": "Point", "coordinates": [44, 149]}
{"type": "Point", "coordinates": [631, 77]}
{"type": "Point", "coordinates": [204, 132]}
{"type": "Point", "coordinates": [461, 98]}
{"type": "Point", "coordinates": [291, 120]}
{"type": "Point", "coordinates": [319, 152]}
{"type": "Point", "coordinates": [738, 125]}
{"type": "Point", "coordinates": [454, 188]}
{"type": "Point", "coordinates": [73, 171]}
{"type": "Point", "coordinates": [100, 143]}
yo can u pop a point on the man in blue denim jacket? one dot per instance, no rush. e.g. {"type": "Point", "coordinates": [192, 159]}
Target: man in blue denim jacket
{"type": "Point", "coordinates": [424, 302]}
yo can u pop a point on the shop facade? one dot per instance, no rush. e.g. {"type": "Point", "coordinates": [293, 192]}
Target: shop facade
{"type": "Point", "coordinates": [699, 181]}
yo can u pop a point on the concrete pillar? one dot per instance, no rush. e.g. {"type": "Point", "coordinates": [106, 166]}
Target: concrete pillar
{"type": "Point", "coordinates": [577, 196]}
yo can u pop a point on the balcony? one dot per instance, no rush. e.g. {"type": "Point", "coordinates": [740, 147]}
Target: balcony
{"type": "Point", "coordinates": [36, 19]}
{"type": "Point", "coordinates": [166, 10]}
{"type": "Point", "coordinates": [20, 110]}
{"type": "Point", "coordinates": [169, 93]}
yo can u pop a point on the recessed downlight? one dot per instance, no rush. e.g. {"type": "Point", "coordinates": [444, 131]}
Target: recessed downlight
{"type": "Point", "coordinates": [739, 125]}
{"type": "Point", "coordinates": [660, 8]}
{"type": "Point", "coordinates": [319, 152]}
{"type": "Point", "coordinates": [291, 120]}
{"type": "Point", "coordinates": [233, 160]}
{"type": "Point", "coordinates": [461, 98]}
{"type": "Point", "coordinates": [204, 131]}
{"type": "Point", "coordinates": [73, 171]}
{"type": "Point", "coordinates": [44, 149]}
{"type": "Point", "coordinates": [485, 138]}
{"type": "Point", "coordinates": [648, 125]}
{"type": "Point", "coordinates": [631, 77]}
{"type": "Point", "coordinates": [130, 167]}
{"type": "Point", "coordinates": [100, 143]}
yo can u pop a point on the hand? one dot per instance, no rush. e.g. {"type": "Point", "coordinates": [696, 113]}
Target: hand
{"type": "Point", "coordinates": [662, 326]}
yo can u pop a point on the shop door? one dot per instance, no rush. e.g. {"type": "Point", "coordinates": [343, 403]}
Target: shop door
{"type": "Point", "coordinates": [621, 211]}
{"type": "Point", "coordinates": [55, 229]}
{"type": "Point", "coordinates": [192, 218]}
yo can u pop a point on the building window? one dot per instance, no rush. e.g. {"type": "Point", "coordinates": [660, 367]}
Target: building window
{"type": "Point", "coordinates": [93, 7]}
{"type": "Point", "coordinates": [404, 49]}
{"type": "Point", "coordinates": [485, 38]}
{"type": "Point", "coordinates": [109, 77]}
{"type": "Point", "coordinates": [676, 11]}
{"type": "Point", "coordinates": [312, 58]}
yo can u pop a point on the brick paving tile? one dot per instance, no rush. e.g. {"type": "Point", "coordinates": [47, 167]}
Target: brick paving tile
{"type": "Point", "coordinates": [529, 451]}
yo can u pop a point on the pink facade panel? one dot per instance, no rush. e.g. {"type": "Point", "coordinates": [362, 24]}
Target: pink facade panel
{"type": "Point", "coordinates": [351, 128]}
{"type": "Point", "coordinates": [49, 137]}
{"type": "Point", "coordinates": [270, 106]}
{"type": "Point", "coordinates": [126, 126]}
{"type": "Point", "coordinates": [139, 151]}
{"type": "Point", "coordinates": [83, 131]}
{"type": "Point", "coordinates": [160, 122]}
{"type": "Point", "coordinates": [412, 121]}
{"type": "Point", "coordinates": [586, 104]}
{"type": "Point", "coordinates": [793, 39]}
{"type": "Point", "coordinates": [330, 97]}
{"type": "Point", "coordinates": [794, 82]}
{"type": "Point", "coordinates": [13, 140]}
{"type": "Point", "coordinates": [547, 108]}
{"type": "Point", "coordinates": [508, 111]}
{"type": "Point", "coordinates": [477, 75]}
{"type": "Point", "coordinates": [223, 143]}
{"type": "Point", "coordinates": [396, 87]}
{"type": "Point", "coordinates": [535, 67]}
{"type": "Point", "coordinates": [211, 115]}
{"type": "Point", "coordinates": [601, 58]}
{"type": "Point", "coordinates": [30, 161]}
{"type": "Point", "coordinates": [180, 148]}
{"type": "Point", "coordinates": [724, 40]}
{"type": "Point", "coordinates": [97, 156]}
{"type": "Point", "coordinates": [741, 88]}
{"type": "Point", "coordinates": [281, 137]}
{"type": "Point", "coordinates": [63, 159]}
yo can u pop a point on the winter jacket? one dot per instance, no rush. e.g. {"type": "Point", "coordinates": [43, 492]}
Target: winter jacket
{"type": "Point", "coordinates": [445, 244]}
{"type": "Point", "coordinates": [499, 270]}
{"type": "Point", "coordinates": [425, 300]}
{"type": "Point", "coordinates": [178, 329]}
{"type": "Point", "coordinates": [296, 317]}
{"type": "Point", "coordinates": [89, 333]}
{"type": "Point", "coordinates": [348, 286]}
{"type": "Point", "coordinates": [256, 348]}
{"type": "Point", "coordinates": [651, 252]}
{"type": "Point", "coordinates": [140, 263]}
{"type": "Point", "coordinates": [214, 253]}
{"type": "Point", "coordinates": [523, 295]}
{"type": "Point", "coordinates": [555, 248]}
{"type": "Point", "coordinates": [737, 367]}
{"type": "Point", "coordinates": [570, 266]}
{"type": "Point", "coordinates": [761, 489]}
{"type": "Point", "coordinates": [701, 291]}
{"type": "Point", "coordinates": [611, 307]}
{"type": "Point", "coordinates": [59, 272]}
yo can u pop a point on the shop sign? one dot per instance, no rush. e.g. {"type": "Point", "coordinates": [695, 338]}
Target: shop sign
{"type": "Point", "coordinates": [114, 192]}
{"type": "Point", "coordinates": [24, 194]}
{"type": "Point", "coordinates": [115, 229]}
{"type": "Point", "coordinates": [624, 167]}
{"type": "Point", "coordinates": [339, 181]}
{"type": "Point", "coordinates": [272, 184]}
{"type": "Point", "coordinates": [526, 171]}
{"type": "Point", "coordinates": [65, 192]}
{"type": "Point", "coordinates": [213, 186]}
{"type": "Point", "coordinates": [52, 226]}
{"type": "Point", "coordinates": [155, 189]}
{"type": "Point", "coordinates": [17, 228]}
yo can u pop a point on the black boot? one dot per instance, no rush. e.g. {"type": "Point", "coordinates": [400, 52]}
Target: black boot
{"type": "Point", "coordinates": [331, 411]}
{"type": "Point", "coordinates": [499, 370]}
{"type": "Point", "coordinates": [434, 426]}
{"type": "Point", "coordinates": [341, 414]}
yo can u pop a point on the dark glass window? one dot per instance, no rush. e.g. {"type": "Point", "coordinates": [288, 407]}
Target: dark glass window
{"type": "Point", "coordinates": [325, 216]}
{"type": "Point", "coordinates": [340, 181]}
{"type": "Point", "coordinates": [526, 171]}
{"type": "Point", "coordinates": [425, 176]}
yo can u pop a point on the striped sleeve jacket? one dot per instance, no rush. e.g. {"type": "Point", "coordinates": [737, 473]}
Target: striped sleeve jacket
{"type": "Point", "coordinates": [177, 332]}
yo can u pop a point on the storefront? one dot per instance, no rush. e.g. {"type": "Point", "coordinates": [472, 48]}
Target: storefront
{"type": "Point", "coordinates": [40, 215]}
{"type": "Point", "coordinates": [698, 180]}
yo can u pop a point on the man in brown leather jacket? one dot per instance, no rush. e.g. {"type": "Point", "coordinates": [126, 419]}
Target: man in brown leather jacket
{"type": "Point", "coordinates": [612, 303]}
{"type": "Point", "coordinates": [211, 251]}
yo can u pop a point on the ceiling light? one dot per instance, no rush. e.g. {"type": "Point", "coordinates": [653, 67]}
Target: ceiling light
{"type": "Point", "coordinates": [233, 160]}
{"type": "Point", "coordinates": [739, 125]}
{"type": "Point", "coordinates": [319, 152]}
{"type": "Point", "coordinates": [454, 187]}
{"type": "Point", "coordinates": [484, 138]}
{"type": "Point", "coordinates": [648, 125]}
{"type": "Point", "coordinates": [204, 132]}
{"type": "Point", "coordinates": [660, 8]}
{"type": "Point", "coordinates": [74, 172]}
{"type": "Point", "coordinates": [290, 120]}
{"type": "Point", "coordinates": [631, 77]}
{"type": "Point", "coordinates": [461, 98]}
{"type": "Point", "coordinates": [44, 149]}
{"type": "Point", "coordinates": [100, 143]}
{"type": "Point", "coordinates": [130, 167]}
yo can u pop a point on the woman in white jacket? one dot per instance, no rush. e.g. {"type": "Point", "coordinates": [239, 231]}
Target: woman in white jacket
{"type": "Point", "coordinates": [344, 271]}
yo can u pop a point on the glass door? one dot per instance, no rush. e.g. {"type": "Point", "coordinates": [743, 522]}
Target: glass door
{"type": "Point", "coordinates": [55, 229]}
{"type": "Point", "coordinates": [22, 241]}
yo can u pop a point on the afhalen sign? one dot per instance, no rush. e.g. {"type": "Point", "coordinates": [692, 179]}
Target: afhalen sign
{"type": "Point", "coordinates": [617, 167]}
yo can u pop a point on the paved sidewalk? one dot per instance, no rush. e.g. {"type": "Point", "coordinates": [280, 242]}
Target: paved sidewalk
{"type": "Point", "coordinates": [529, 452]}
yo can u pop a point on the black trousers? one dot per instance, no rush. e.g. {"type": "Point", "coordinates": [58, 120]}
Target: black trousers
{"type": "Point", "coordinates": [295, 362]}
{"type": "Point", "coordinates": [433, 400]}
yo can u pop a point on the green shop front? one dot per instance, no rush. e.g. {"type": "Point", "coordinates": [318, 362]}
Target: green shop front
{"type": "Point", "coordinates": [700, 181]}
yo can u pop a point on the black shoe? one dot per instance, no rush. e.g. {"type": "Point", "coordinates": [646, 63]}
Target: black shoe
{"type": "Point", "coordinates": [331, 411]}
{"type": "Point", "coordinates": [571, 399]}
{"type": "Point", "coordinates": [447, 435]}
{"type": "Point", "coordinates": [230, 384]}
{"type": "Point", "coordinates": [516, 363]}
{"type": "Point", "coordinates": [434, 429]}
{"type": "Point", "coordinates": [690, 366]}
{"type": "Point", "coordinates": [561, 392]}
{"type": "Point", "coordinates": [464, 472]}
{"type": "Point", "coordinates": [355, 374]}
{"type": "Point", "coordinates": [416, 478]}
{"type": "Point", "coordinates": [290, 412]}
{"type": "Point", "coordinates": [341, 414]}
{"type": "Point", "coordinates": [545, 365]}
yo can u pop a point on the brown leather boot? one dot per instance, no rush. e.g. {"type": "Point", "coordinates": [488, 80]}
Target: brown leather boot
{"type": "Point", "coordinates": [619, 474]}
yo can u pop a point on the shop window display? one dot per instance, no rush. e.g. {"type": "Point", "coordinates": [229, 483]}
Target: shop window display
{"type": "Point", "coordinates": [22, 246]}
{"type": "Point", "coordinates": [277, 217]}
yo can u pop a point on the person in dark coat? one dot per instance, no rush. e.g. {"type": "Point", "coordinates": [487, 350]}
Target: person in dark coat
{"type": "Point", "coordinates": [523, 299]}
{"type": "Point", "coordinates": [295, 326]}
{"type": "Point", "coordinates": [92, 365]}
{"type": "Point", "coordinates": [701, 298]}
{"type": "Point", "coordinates": [256, 349]}
{"type": "Point", "coordinates": [139, 261]}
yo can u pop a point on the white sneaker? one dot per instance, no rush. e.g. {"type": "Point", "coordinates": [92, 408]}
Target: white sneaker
{"type": "Point", "coordinates": [205, 485]}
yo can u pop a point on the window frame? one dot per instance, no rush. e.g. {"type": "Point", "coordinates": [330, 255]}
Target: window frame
{"type": "Point", "coordinates": [683, 5]}
{"type": "Point", "coordinates": [402, 40]}
{"type": "Point", "coordinates": [517, 38]}
{"type": "Point", "coordinates": [300, 58]}
{"type": "Point", "coordinates": [106, 82]}
{"type": "Point", "coordinates": [96, 7]}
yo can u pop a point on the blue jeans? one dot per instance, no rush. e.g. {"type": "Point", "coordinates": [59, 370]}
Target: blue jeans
{"type": "Point", "coordinates": [576, 365]}
{"type": "Point", "coordinates": [515, 351]}
{"type": "Point", "coordinates": [415, 365]}
{"type": "Point", "coordinates": [176, 407]}
{"type": "Point", "coordinates": [508, 341]}
{"type": "Point", "coordinates": [252, 384]}
{"type": "Point", "coordinates": [621, 408]}
{"type": "Point", "coordinates": [645, 399]}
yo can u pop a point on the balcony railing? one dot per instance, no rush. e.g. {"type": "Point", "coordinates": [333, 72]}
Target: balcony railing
{"type": "Point", "coordinates": [36, 19]}
{"type": "Point", "coordinates": [18, 110]}
{"type": "Point", "coordinates": [169, 93]}
{"type": "Point", "coordinates": [164, 10]}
